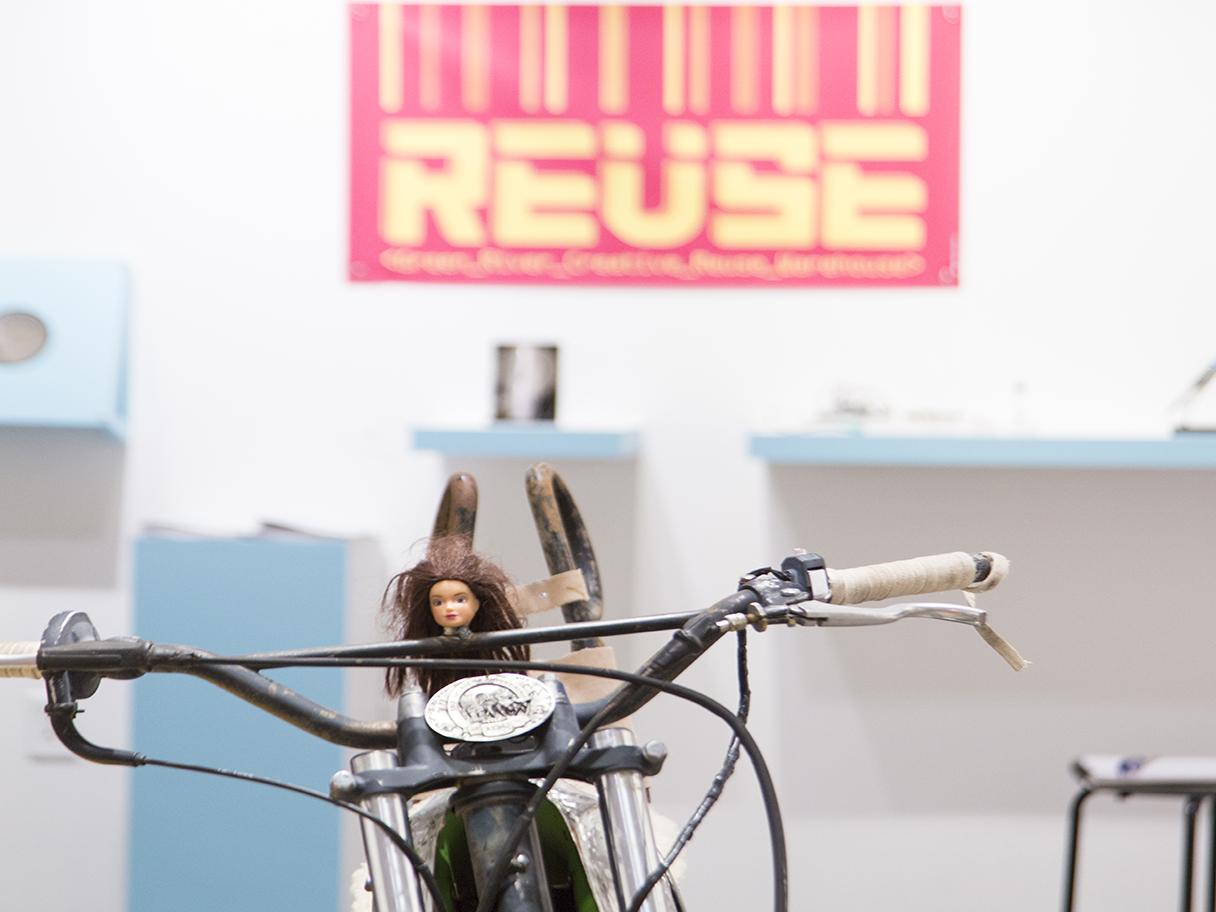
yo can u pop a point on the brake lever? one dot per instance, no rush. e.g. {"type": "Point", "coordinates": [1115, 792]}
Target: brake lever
{"type": "Point", "coordinates": [817, 614]}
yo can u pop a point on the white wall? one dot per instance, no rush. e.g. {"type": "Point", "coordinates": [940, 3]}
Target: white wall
{"type": "Point", "coordinates": [205, 146]}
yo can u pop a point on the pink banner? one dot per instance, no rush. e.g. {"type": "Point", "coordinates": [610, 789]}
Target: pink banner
{"type": "Point", "coordinates": [661, 145]}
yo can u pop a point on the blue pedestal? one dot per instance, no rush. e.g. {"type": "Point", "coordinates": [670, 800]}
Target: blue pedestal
{"type": "Point", "coordinates": [203, 844]}
{"type": "Point", "coordinates": [78, 379]}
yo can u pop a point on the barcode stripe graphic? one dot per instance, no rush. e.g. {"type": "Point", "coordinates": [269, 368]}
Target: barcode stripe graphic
{"type": "Point", "coordinates": [614, 54]}
{"type": "Point", "coordinates": [434, 58]}
{"type": "Point", "coordinates": [556, 59]}
{"type": "Point", "coordinates": [806, 59]}
{"type": "Point", "coordinates": [887, 51]}
{"type": "Point", "coordinates": [392, 59]}
{"type": "Point", "coordinates": [475, 54]}
{"type": "Point", "coordinates": [430, 37]}
{"type": "Point", "coordinates": [914, 60]}
{"type": "Point", "coordinates": [529, 58]}
{"type": "Point", "coordinates": [783, 59]}
{"type": "Point", "coordinates": [673, 59]}
{"type": "Point", "coordinates": [698, 59]}
{"type": "Point", "coordinates": [744, 92]}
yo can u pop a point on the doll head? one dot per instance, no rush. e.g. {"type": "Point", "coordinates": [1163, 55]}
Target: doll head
{"type": "Point", "coordinates": [453, 604]}
{"type": "Point", "coordinates": [449, 571]}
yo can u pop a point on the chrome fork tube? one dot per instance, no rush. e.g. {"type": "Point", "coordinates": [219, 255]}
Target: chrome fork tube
{"type": "Point", "coordinates": [395, 885]}
{"type": "Point", "coordinates": [631, 840]}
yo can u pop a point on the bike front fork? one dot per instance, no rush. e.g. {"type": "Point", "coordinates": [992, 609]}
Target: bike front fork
{"type": "Point", "coordinates": [489, 811]}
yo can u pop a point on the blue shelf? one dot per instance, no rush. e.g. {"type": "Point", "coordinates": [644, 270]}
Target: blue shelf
{"type": "Point", "coordinates": [78, 380]}
{"type": "Point", "coordinates": [1186, 451]}
{"type": "Point", "coordinates": [525, 441]}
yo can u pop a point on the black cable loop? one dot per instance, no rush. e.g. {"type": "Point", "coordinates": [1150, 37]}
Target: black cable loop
{"type": "Point", "coordinates": [715, 789]}
{"type": "Point", "coordinates": [498, 872]}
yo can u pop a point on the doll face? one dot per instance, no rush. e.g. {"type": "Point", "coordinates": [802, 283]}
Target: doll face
{"type": "Point", "coordinates": [453, 604]}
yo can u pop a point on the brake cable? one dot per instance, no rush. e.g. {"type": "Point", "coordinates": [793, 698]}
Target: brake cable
{"type": "Point", "coordinates": [498, 873]}
{"type": "Point", "coordinates": [715, 788]}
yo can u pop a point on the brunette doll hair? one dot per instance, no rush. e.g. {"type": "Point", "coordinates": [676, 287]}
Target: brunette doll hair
{"type": "Point", "coordinates": [407, 608]}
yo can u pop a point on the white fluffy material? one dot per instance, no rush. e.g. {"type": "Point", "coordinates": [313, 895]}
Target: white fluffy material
{"type": "Point", "coordinates": [360, 898]}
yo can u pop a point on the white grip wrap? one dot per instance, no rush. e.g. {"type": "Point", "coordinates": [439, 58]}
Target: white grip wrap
{"type": "Point", "coordinates": [19, 660]}
{"type": "Point", "coordinates": [918, 576]}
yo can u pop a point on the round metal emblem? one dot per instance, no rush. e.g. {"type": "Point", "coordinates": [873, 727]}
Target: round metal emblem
{"type": "Point", "coordinates": [489, 707]}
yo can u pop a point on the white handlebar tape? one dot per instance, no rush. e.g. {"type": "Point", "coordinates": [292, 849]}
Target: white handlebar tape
{"type": "Point", "coordinates": [918, 576]}
{"type": "Point", "coordinates": [18, 660]}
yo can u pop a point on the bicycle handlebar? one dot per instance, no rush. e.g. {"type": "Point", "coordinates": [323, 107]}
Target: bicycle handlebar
{"type": "Point", "coordinates": [918, 576]}
{"type": "Point", "coordinates": [19, 660]}
{"type": "Point", "coordinates": [768, 597]}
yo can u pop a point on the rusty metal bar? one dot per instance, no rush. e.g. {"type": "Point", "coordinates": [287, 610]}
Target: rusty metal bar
{"type": "Point", "coordinates": [565, 543]}
{"type": "Point", "coordinates": [457, 513]}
